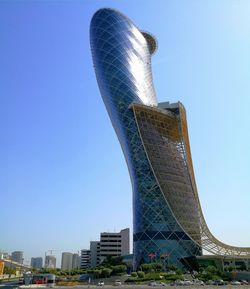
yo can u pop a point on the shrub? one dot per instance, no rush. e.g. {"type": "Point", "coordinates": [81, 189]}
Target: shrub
{"type": "Point", "coordinates": [152, 275]}
{"type": "Point", "coordinates": [146, 267]}
{"type": "Point", "coordinates": [134, 274]}
{"type": "Point", "coordinates": [131, 280]}
{"type": "Point", "coordinates": [141, 274]}
{"type": "Point", "coordinates": [173, 277]}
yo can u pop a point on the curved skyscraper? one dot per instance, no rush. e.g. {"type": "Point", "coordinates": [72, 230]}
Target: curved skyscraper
{"type": "Point", "coordinates": [168, 224]}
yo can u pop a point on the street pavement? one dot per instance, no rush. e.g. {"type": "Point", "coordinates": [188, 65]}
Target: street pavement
{"type": "Point", "coordinates": [145, 286]}
{"type": "Point", "coordinates": [8, 284]}
{"type": "Point", "coordinates": [14, 285]}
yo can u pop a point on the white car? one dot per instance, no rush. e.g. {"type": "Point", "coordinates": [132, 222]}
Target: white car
{"type": "Point", "coordinates": [179, 282]}
{"type": "Point", "coordinates": [199, 282]}
{"type": "Point", "coordinates": [235, 283]}
{"type": "Point", "coordinates": [118, 283]}
{"type": "Point", "coordinates": [152, 283]}
{"type": "Point", "coordinates": [187, 282]}
{"type": "Point", "coordinates": [100, 283]}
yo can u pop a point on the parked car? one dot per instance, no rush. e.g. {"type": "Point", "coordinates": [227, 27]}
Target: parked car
{"type": "Point", "coordinates": [187, 282]}
{"type": "Point", "coordinates": [179, 282]}
{"type": "Point", "coordinates": [152, 283]}
{"type": "Point", "coordinates": [100, 283]}
{"type": "Point", "coordinates": [235, 283]}
{"type": "Point", "coordinates": [199, 282]}
{"type": "Point", "coordinates": [219, 282]}
{"type": "Point", "coordinates": [118, 283]}
{"type": "Point", "coordinates": [244, 282]}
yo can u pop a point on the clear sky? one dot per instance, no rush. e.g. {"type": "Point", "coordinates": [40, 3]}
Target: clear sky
{"type": "Point", "coordinates": [63, 177]}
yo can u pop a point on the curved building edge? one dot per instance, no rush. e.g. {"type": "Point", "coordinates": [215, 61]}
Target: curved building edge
{"type": "Point", "coordinates": [122, 60]}
{"type": "Point", "coordinates": [204, 238]}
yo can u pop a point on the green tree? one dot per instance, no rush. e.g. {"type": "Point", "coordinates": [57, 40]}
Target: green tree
{"type": "Point", "coordinates": [211, 269]}
{"type": "Point", "coordinates": [97, 273]}
{"type": "Point", "coordinates": [106, 272]}
{"type": "Point", "coordinates": [9, 270]}
{"type": "Point", "coordinates": [172, 267]}
{"type": "Point", "coordinates": [146, 267]}
{"type": "Point", "coordinates": [210, 273]}
{"type": "Point", "coordinates": [158, 267]}
{"type": "Point", "coordinates": [34, 270]}
{"type": "Point", "coordinates": [113, 261]}
{"type": "Point", "coordinates": [119, 269]}
{"type": "Point", "coordinates": [179, 271]}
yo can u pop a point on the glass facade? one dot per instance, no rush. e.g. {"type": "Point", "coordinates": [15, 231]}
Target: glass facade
{"type": "Point", "coordinates": [122, 62]}
{"type": "Point", "coordinates": [168, 224]}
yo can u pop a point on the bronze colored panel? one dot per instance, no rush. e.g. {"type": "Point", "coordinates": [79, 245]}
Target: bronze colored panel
{"type": "Point", "coordinates": [165, 138]}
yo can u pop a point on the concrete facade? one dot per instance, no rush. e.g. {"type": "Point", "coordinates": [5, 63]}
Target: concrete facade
{"type": "Point", "coordinates": [94, 250]}
{"type": "Point", "coordinates": [17, 256]}
{"type": "Point", "coordinates": [85, 259]}
{"type": "Point", "coordinates": [50, 262]}
{"type": "Point", "coordinates": [66, 262]}
{"type": "Point", "coordinates": [113, 244]}
{"type": "Point", "coordinates": [76, 260]}
{"type": "Point", "coordinates": [36, 262]}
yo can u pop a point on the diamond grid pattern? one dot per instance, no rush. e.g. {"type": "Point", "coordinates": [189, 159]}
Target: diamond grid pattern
{"type": "Point", "coordinates": [158, 154]}
{"type": "Point", "coordinates": [170, 144]}
{"type": "Point", "coordinates": [123, 69]}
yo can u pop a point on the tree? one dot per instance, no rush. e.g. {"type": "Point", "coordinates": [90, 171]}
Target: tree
{"type": "Point", "coordinates": [119, 269]}
{"type": "Point", "coordinates": [243, 267]}
{"type": "Point", "coordinates": [172, 267]}
{"type": "Point", "coordinates": [211, 269]}
{"type": "Point", "coordinates": [113, 261]}
{"type": "Point", "coordinates": [179, 271]}
{"type": "Point", "coordinates": [151, 267]}
{"type": "Point", "coordinates": [106, 272]}
{"type": "Point", "coordinates": [146, 267]}
{"type": "Point", "coordinates": [9, 270]}
{"type": "Point", "coordinates": [97, 273]}
{"type": "Point", "coordinates": [210, 273]}
{"type": "Point", "coordinates": [158, 267]}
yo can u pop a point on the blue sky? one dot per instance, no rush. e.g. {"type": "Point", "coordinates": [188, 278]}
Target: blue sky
{"type": "Point", "coordinates": [63, 178]}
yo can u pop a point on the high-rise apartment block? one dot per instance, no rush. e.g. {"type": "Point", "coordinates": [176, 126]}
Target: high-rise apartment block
{"type": "Point", "coordinates": [94, 253]}
{"type": "Point", "coordinates": [17, 256]}
{"type": "Point", "coordinates": [4, 255]}
{"type": "Point", "coordinates": [67, 260]}
{"type": "Point", "coordinates": [36, 262]}
{"type": "Point", "coordinates": [76, 261]}
{"type": "Point", "coordinates": [114, 244]}
{"type": "Point", "coordinates": [110, 244]}
{"type": "Point", "coordinates": [50, 262]}
{"type": "Point", "coordinates": [85, 259]}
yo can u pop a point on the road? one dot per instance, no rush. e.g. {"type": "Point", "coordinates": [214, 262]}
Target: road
{"type": "Point", "coordinates": [8, 284]}
{"type": "Point", "coordinates": [151, 287]}
{"type": "Point", "coordinates": [14, 285]}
